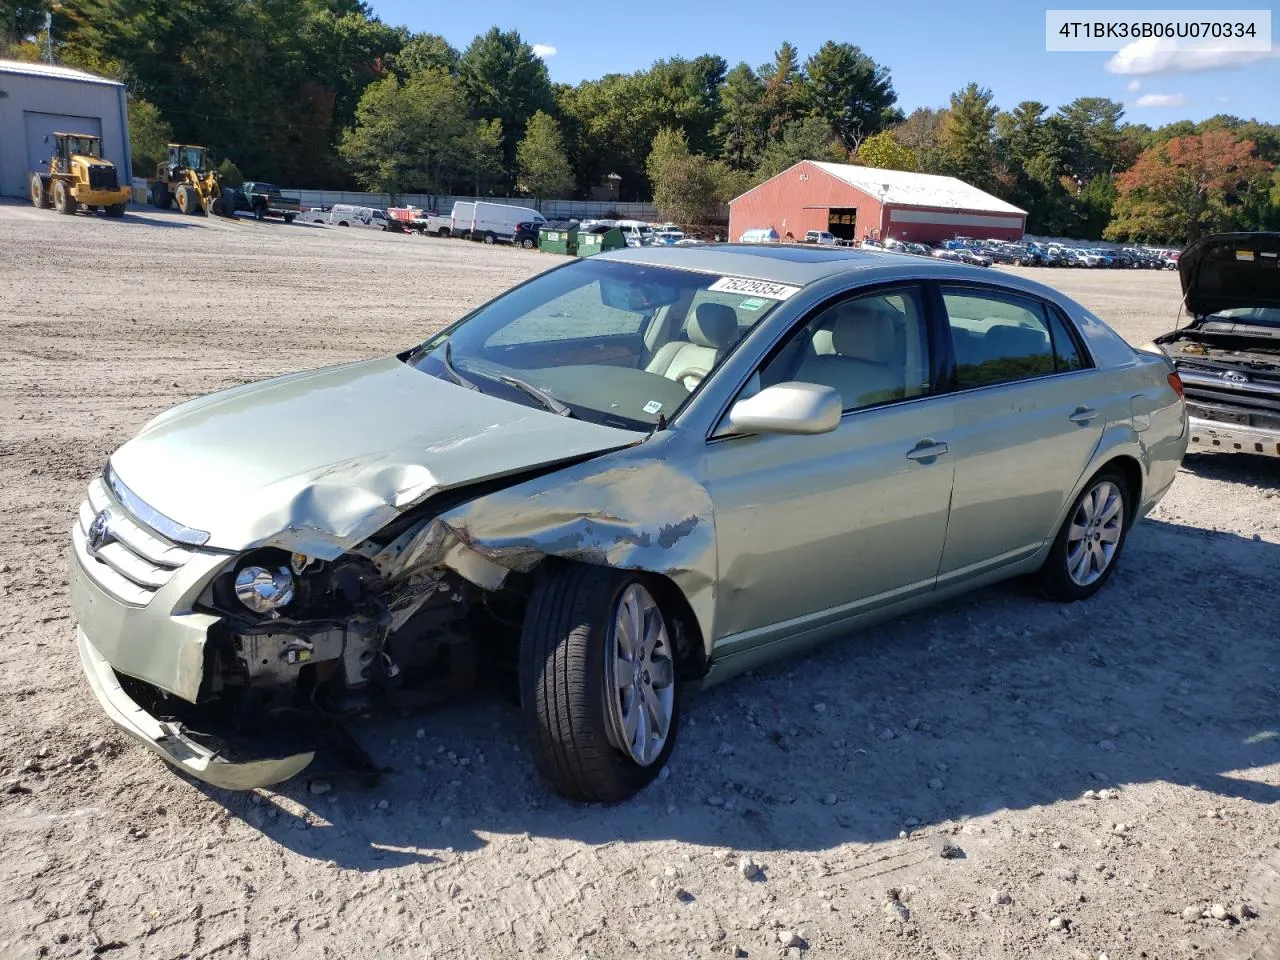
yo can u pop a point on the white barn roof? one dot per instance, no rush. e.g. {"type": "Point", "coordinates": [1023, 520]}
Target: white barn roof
{"type": "Point", "coordinates": [54, 71]}
{"type": "Point", "coordinates": [916, 189]}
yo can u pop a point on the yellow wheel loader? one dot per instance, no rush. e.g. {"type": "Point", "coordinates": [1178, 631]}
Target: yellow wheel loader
{"type": "Point", "coordinates": [188, 180]}
{"type": "Point", "coordinates": [78, 177]}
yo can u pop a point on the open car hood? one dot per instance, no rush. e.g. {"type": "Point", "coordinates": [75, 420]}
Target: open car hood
{"type": "Point", "coordinates": [318, 461]}
{"type": "Point", "coordinates": [1231, 270]}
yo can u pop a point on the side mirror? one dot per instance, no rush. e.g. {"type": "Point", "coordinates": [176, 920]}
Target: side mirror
{"type": "Point", "coordinates": [793, 407]}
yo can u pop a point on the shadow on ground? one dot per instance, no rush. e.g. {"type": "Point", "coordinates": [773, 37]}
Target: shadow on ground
{"type": "Point", "coordinates": [1000, 700]}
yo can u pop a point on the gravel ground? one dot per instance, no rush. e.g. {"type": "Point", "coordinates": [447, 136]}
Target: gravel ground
{"type": "Point", "coordinates": [1001, 777]}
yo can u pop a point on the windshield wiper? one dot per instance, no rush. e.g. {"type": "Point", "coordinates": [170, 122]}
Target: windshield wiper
{"type": "Point", "coordinates": [542, 396]}
{"type": "Point", "coordinates": [458, 378]}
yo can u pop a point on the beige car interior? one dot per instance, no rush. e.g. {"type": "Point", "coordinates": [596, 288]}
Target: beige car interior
{"type": "Point", "coordinates": [708, 335]}
{"type": "Point", "coordinates": [872, 350]}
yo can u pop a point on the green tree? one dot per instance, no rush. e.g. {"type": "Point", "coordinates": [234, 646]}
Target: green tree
{"type": "Point", "coordinates": [742, 128]}
{"type": "Point", "coordinates": [966, 136]}
{"type": "Point", "coordinates": [424, 51]}
{"type": "Point", "coordinates": [850, 91]}
{"type": "Point", "coordinates": [921, 133]}
{"type": "Point", "coordinates": [229, 173]}
{"type": "Point", "coordinates": [808, 139]}
{"type": "Point", "coordinates": [883, 151]}
{"type": "Point", "coordinates": [504, 78]}
{"type": "Point", "coordinates": [1094, 143]}
{"type": "Point", "coordinates": [408, 137]}
{"type": "Point", "coordinates": [544, 170]}
{"type": "Point", "coordinates": [781, 101]}
{"type": "Point", "coordinates": [483, 151]}
{"type": "Point", "coordinates": [19, 19]}
{"type": "Point", "coordinates": [684, 186]}
{"type": "Point", "coordinates": [149, 137]}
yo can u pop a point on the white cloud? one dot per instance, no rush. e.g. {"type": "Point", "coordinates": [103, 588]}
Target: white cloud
{"type": "Point", "coordinates": [1151, 55]}
{"type": "Point", "coordinates": [1135, 86]}
{"type": "Point", "coordinates": [1161, 100]}
{"type": "Point", "coordinates": [544, 50]}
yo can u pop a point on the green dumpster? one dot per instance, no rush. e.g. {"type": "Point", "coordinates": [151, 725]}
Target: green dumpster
{"type": "Point", "coordinates": [600, 239]}
{"type": "Point", "coordinates": [559, 236]}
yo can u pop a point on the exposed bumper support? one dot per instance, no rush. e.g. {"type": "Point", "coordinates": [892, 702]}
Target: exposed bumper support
{"type": "Point", "coordinates": [1211, 435]}
{"type": "Point", "coordinates": [167, 739]}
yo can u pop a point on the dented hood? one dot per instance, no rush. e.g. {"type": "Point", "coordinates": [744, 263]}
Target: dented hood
{"type": "Point", "coordinates": [1230, 270]}
{"type": "Point", "coordinates": [318, 461]}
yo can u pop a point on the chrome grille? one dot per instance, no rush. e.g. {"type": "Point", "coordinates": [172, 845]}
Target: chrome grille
{"type": "Point", "coordinates": [135, 561]}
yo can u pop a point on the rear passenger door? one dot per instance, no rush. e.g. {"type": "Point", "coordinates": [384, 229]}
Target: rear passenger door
{"type": "Point", "coordinates": [1027, 421]}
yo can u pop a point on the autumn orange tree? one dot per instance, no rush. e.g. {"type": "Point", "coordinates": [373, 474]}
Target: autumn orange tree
{"type": "Point", "coordinates": [1188, 187]}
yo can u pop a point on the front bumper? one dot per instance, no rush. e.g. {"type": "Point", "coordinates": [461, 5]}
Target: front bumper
{"type": "Point", "coordinates": [1211, 435]}
{"type": "Point", "coordinates": [168, 740]}
{"type": "Point", "coordinates": [101, 198]}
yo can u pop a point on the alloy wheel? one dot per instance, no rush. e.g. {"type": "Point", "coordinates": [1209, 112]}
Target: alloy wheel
{"type": "Point", "coordinates": [1095, 533]}
{"type": "Point", "coordinates": [640, 677]}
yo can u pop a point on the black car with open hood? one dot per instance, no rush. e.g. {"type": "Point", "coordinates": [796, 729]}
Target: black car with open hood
{"type": "Point", "coordinates": [1229, 354]}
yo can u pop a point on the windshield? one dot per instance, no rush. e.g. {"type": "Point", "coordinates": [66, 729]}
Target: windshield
{"type": "Point", "coordinates": [622, 344]}
{"type": "Point", "coordinates": [85, 146]}
{"type": "Point", "coordinates": [192, 157]}
{"type": "Point", "coordinates": [1256, 316]}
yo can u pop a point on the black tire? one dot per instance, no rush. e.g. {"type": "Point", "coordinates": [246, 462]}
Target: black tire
{"type": "Point", "coordinates": [562, 685]}
{"type": "Point", "coordinates": [442, 232]}
{"type": "Point", "coordinates": [63, 202]}
{"type": "Point", "coordinates": [1054, 577]}
{"type": "Point", "coordinates": [490, 238]}
{"type": "Point", "coordinates": [289, 217]}
{"type": "Point", "coordinates": [527, 243]}
{"type": "Point", "coordinates": [188, 202]}
{"type": "Point", "coordinates": [39, 194]}
{"type": "Point", "coordinates": [114, 210]}
{"type": "Point", "coordinates": [343, 223]}
{"type": "Point", "coordinates": [259, 211]}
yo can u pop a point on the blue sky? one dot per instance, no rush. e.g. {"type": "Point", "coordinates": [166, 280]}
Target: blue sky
{"type": "Point", "coordinates": [932, 48]}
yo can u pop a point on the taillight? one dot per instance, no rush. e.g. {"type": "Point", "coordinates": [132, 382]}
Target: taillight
{"type": "Point", "coordinates": [1175, 381]}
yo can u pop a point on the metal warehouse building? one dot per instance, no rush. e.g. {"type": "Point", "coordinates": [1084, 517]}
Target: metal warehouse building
{"type": "Point", "coordinates": [859, 203]}
{"type": "Point", "coordinates": [37, 99]}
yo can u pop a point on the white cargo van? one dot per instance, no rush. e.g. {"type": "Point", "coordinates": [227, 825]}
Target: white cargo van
{"type": "Point", "coordinates": [346, 215]}
{"type": "Point", "coordinates": [462, 219]}
{"type": "Point", "coordinates": [497, 221]}
{"type": "Point", "coordinates": [637, 233]}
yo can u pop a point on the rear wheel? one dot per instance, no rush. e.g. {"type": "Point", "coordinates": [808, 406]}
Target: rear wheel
{"type": "Point", "coordinates": [259, 211]}
{"type": "Point", "coordinates": [114, 210]}
{"type": "Point", "coordinates": [289, 217]}
{"type": "Point", "coordinates": [490, 237]}
{"type": "Point", "coordinates": [1088, 546]}
{"type": "Point", "coordinates": [39, 195]}
{"type": "Point", "coordinates": [598, 682]}
{"type": "Point", "coordinates": [63, 201]}
{"type": "Point", "coordinates": [442, 232]}
{"type": "Point", "coordinates": [527, 243]}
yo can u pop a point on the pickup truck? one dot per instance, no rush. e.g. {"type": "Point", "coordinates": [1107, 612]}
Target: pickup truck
{"type": "Point", "coordinates": [432, 224]}
{"type": "Point", "coordinates": [1229, 355]}
{"type": "Point", "coordinates": [265, 200]}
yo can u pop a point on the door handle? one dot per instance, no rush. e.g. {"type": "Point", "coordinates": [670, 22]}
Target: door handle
{"type": "Point", "coordinates": [927, 450]}
{"type": "Point", "coordinates": [1083, 415]}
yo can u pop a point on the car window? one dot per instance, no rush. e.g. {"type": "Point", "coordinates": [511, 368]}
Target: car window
{"type": "Point", "coordinates": [1068, 353]}
{"type": "Point", "coordinates": [1000, 338]}
{"type": "Point", "coordinates": [873, 349]}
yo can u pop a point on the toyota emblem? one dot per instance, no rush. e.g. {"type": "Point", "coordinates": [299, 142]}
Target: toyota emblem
{"type": "Point", "coordinates": [99, 533]}
{"type": "Point", "coordinates": [1232, 377]}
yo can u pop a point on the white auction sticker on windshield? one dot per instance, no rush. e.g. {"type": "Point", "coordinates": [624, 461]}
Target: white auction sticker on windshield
{"type": "Point", "coordinates": [755, 288]}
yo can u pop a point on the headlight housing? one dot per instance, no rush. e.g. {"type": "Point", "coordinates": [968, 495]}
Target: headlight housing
{"type": "Point", "coordinates": [264, 589]}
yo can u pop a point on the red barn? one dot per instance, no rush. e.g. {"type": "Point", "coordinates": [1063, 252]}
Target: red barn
{"type": "Point", "coordinates": [859, 203]}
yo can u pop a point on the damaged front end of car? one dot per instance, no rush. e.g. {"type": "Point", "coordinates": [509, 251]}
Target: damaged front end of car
{"type": "Point", "coordinates": [240, 667]}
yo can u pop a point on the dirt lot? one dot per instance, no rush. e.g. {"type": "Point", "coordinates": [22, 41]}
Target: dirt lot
{"type": "Point", "coordinates": [990, 724]}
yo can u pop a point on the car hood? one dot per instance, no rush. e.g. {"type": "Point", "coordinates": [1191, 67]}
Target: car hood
{"type": "Point", "coordinates": [1231, 270]}
{"type": "Point", "coordinates": [318, 461]}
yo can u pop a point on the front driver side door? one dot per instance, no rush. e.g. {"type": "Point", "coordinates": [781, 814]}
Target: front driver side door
{"type": "Point", "coordinates": [814, 529]}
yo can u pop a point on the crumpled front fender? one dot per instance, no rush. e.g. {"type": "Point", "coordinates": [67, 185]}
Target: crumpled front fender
{"type": "Point", "coordinates": [629, 514]}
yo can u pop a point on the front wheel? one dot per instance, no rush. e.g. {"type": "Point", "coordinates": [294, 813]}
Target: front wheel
{"type": "Point", "coordinates": [39, 195]}
{"type": "Point", "coordinates": [1087, 548]}
{"type": "Point", "coordinates": [598, 682]}
{"type": "Point", "coordinates": [490, 238]}
{"type": "Point", "coordinates": [289, 217]}
{"type": "Point", "coordinates": [63, 201]}
{"type": "Point", "coordinates": [114, 210]}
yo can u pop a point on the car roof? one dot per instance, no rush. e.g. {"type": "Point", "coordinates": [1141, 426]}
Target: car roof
{"type": "Point", "coordinates": [780, 262]}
